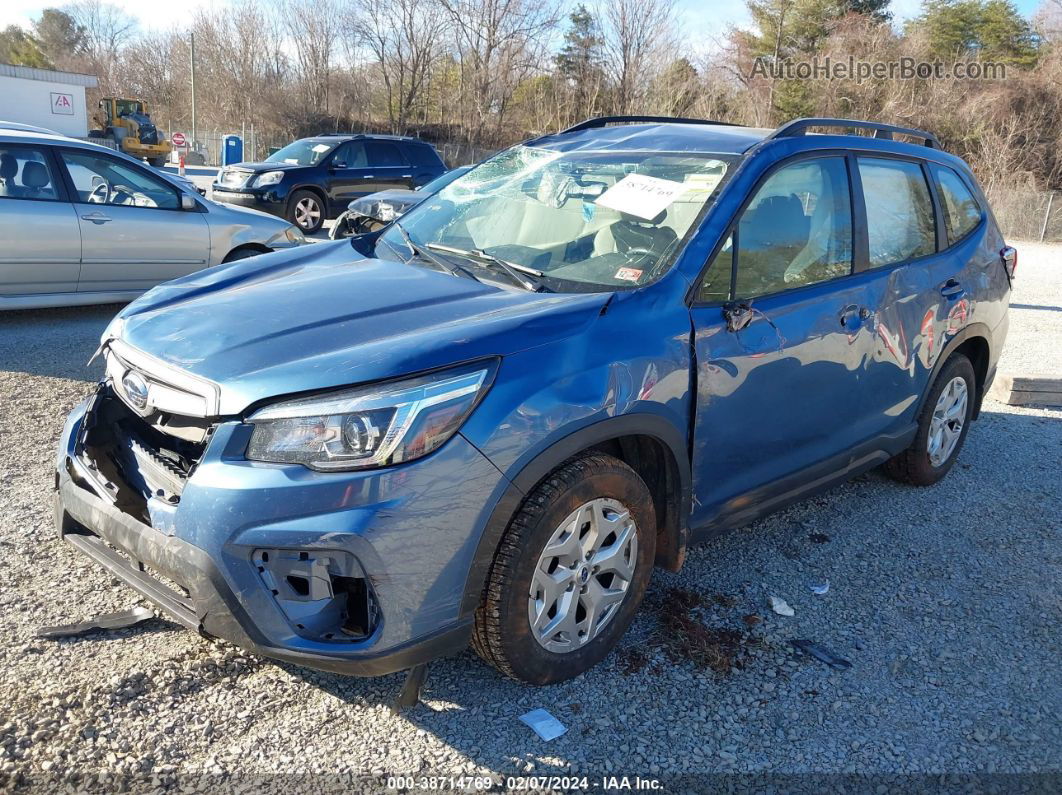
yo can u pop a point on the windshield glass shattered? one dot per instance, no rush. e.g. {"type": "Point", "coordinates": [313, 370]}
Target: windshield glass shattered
{"type": "Point", "coordinates": [301, 153]}
{"type": "Point", "coordinates": [583, 220]}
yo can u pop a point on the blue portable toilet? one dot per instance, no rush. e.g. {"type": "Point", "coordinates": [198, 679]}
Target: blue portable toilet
{"type": "Point", "coordinates": [231, 150]}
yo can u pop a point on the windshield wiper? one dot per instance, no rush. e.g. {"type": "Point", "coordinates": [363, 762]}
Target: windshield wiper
{"type": "Point", "coordinates": [418, 251]}
{"type": "Point", "coordinates": [528, 278]}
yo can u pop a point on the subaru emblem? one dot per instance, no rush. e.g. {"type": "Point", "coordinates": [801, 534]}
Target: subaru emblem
{"type": "Point", "coordinates": [136, 389]}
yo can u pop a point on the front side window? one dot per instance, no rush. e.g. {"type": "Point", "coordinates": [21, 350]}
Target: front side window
{"type": "Point", "coordinates": [25, 174]}
{"type": "Point", "coordinates": [900, 223]}
{"type": "Point", "coordinates": [797, 230]}
{"type": "Point", "coordinates": [584, 219]}
{"type": "Point", "coordinates": [351, 155]}
{"type": "Point", "coordinates": [99, 179]}
{"type": "Point", "coordinates": [961, 211]}
{"type": "Point", "coordinates": [307, 152]}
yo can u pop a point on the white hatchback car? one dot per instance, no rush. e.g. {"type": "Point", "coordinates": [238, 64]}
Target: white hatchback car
{"type": "Point", "coordinates": [83, 224]}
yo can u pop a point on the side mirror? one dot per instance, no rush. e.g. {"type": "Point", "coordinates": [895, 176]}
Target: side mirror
{"type": "Point", "coordinates": [338, 164]}
{"type": "Point", "coordinates": [188, 203]}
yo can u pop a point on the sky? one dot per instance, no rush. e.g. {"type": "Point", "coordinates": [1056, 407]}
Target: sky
{"type": "Point", "coordinates": [705, 18]}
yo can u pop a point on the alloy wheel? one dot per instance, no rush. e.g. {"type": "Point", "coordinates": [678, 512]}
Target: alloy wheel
{"type": "Point", "coordinates": [949, 416]}
{"type": "Point", "coordinates": [582, 575]}
{"type": "Point", "coordinates": [307, 213]}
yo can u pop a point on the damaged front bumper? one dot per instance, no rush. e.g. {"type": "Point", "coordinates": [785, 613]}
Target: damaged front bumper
{"type": "Point", "coordinates": [358, 573]}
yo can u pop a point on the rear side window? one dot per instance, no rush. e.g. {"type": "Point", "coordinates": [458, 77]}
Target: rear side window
{"type": "Point", "coordinates": [422, 155]}
{"type": "Point", "coordinates": [797, 230]}
{"type": "Point", "coordinates": [961, 210]}
{"type": "Point", "coordinates": [382, 153]}
{"type": "Point", "coordinates": [900, 223]}
{"type": "Point", "coordinates": [25, 174]}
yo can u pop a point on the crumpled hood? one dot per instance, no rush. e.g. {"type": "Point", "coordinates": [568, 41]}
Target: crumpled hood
{"type": "Point", "coordinates": [401, 200]}
{"type": "Point", "coordinates": [323, 316]}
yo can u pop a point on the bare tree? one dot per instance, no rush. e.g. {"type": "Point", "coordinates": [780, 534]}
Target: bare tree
{"type": "Point", "coordinates": [107, 29]}
{"type": "Point", "coordinates": [314, 31]}
{"type": "Point", "coordinates": [499, 44]}
{"type": "Point", "coordinates": [638, 37]}
{"type": "Point", "coordinates": [405, 39]}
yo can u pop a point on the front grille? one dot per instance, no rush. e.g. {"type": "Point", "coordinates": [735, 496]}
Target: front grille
{"type": "Point", "coordinates": [133, 458]}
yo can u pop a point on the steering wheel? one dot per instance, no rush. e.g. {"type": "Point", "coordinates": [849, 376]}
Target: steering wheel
{"type": "Point", "coordinates": [100, 194]}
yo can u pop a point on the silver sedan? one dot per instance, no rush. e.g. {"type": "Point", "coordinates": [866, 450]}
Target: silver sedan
{"type": "Point", "coordinates": [83, 224]}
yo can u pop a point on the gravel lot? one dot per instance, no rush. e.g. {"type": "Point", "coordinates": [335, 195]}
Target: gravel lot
{"type": "Point", "coordinates": [947, 601]}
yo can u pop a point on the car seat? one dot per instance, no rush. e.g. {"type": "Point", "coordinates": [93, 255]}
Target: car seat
{"type": "Point", "coordinates": [35, 180]}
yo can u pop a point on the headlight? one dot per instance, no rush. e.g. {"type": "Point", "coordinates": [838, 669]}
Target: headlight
{"type": "Point", "coordinates": [295, 235]}
{"type": "Point", "coordinates": [371, 426]}
{"type": "Point", "coordinates": [268, 178]}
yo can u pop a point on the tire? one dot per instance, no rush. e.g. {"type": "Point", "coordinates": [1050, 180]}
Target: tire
{"type": "Point", "coordinates": [157, 162]}
{"type": "Point", "coordinates": [923, 463]}
{"type": "Point", "coordinates": [304, 204]}
{"type": "Point", "coordinates": [600, 487]}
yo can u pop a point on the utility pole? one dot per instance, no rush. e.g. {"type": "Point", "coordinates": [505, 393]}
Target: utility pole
{"type": "Point", "coordinates": [191, 37]}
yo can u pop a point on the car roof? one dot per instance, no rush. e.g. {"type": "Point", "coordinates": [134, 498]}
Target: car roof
{"type": "Point", "coordinates": [332, 137]}
{"type": "Point", "coordinates": [657, 137]}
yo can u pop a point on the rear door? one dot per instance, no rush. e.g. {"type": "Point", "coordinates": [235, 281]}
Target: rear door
{"type": "Point", "coordinates": [41, 251]}
{"type": "Point", "coordinates": [778, 367]}
{"type": "Point", "coordinates": [906, 288]}
{"type": "Point", "coordinates": [389, 165]}
{"type": "Point", "coordinates": [134, 233]}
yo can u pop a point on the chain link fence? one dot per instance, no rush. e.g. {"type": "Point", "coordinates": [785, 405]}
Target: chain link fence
{"type": "Point", "coordinates": [1028, 214]}
{"type": "Point", "coordinates": [209, 144]}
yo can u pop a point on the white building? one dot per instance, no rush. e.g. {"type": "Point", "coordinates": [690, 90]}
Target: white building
{"type": "Point", "coordinates": [54, 100]}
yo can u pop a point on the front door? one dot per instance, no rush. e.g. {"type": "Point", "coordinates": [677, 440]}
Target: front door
{"type": "Point", "coordinates": [134, 233]}
{"type": "Point", "coordinates": [778, 368]}
{"type": "Point", "coordinates": [349, 176]}
{"type": "Point", "coordinates": [41, 251]}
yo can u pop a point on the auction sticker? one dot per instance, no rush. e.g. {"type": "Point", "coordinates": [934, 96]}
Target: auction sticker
{"type": "Point", "coordinates": [642, 196]}
{"type": "Point", "coordinates": [628, 274]}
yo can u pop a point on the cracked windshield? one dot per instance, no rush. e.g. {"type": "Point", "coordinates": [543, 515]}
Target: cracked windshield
{"type": "Point", "coordinates": [574, 220]}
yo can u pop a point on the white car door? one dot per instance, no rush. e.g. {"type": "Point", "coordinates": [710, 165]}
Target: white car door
{"type": "Point", "coordinates": [41, 251]}
{"type": "Point", "coordinates": [134, 233]}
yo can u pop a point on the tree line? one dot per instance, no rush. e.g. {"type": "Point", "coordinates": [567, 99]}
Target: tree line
{"type": "Point", "coordinates": [488, 73]}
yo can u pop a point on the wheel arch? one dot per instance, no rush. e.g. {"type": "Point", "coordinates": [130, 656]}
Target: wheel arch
{"type": "Point", "coordinates": [973, 341]}
{"type": "Point", "coordinates": [648, 443]}
{"type": "Point", "coordinates": [256, 247]}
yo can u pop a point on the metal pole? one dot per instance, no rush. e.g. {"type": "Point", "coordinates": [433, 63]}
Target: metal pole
{"type": "Point", "coordinates": [191, 37]}
{"type": "Point", "coordinates": [1047, 216]}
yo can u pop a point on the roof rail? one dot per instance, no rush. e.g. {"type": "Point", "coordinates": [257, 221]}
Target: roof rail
{"type": "Point", "coordinates": [885, 131]}
{"type": "Point", "coordinates": [335, 135]}
{"type": "Point", "coordinates": [601, 121]}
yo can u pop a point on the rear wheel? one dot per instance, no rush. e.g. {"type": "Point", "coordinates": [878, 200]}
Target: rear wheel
{"type": "Point", "coordinates": [569, 573]}
{"type": "Point", "coordinates": [306, 211]}
{"type": "Point", "coordinates": [942, 426]}
{"type": "Point", "coordinates": [157, 162]}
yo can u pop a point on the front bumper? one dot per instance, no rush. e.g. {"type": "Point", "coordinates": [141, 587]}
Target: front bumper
{"type": "Point", "coordinates": [268, 201]}
{"type": "Point", "coordinates": [198, 561]}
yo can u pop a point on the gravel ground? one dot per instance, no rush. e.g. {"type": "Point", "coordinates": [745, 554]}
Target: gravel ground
{"type": "Point", "coordinates": [946, 600]}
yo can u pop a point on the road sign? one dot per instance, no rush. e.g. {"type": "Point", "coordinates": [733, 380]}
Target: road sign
{"type": "Point", "coordinates": [178, 139]}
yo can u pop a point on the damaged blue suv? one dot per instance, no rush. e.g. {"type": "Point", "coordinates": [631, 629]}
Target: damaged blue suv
{"type": "Point", "coordinates": [489, 421]}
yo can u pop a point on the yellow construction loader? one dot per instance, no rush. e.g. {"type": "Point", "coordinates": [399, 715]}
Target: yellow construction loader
{"type": "Point", "coordinates": [128, 123]}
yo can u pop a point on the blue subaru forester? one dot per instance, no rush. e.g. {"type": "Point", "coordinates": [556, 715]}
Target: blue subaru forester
{"type": "Point", "coordinates": [489, 421]}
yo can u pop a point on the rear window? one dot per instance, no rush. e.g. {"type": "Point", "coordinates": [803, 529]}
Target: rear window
{"type": "Point", "coordinates": [422, 155]}
{"type": "Point", "coordinates": [961, 210]}
{"type": "Point", "coordinates": [900, 223]}
{"type": "Point", "coordinates": [383, 153]}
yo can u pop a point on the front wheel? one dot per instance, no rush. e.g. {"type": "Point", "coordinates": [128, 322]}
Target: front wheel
{"type": "Point", "coordinates": [306, 211]}
{"type": "Point", "coordinates": [569, 573]}
{"type": "Point", "coordinates": [942, 426]}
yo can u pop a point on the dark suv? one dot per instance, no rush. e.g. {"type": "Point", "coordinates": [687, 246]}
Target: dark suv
{"type": "Point", "coordinates": [490, 421]}
{"type": "Point", "coordinates": [316, 178]}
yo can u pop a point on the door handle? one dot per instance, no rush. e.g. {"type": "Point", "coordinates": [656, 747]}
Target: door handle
{"type": "Point", "coordinates": [851, 313]}
{"type": "Point", "coordinates": [952, 290]}
{"type": "Point", "coordinates": [96, 217]}
{"type": "Point", "coordinates": [407, 176]}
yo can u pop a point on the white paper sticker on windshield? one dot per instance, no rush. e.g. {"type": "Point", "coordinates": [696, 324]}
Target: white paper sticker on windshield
{"type": "Point", "coordinates": [321, 147]}
{"type": "Point", "coordinates": [643, 196]}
